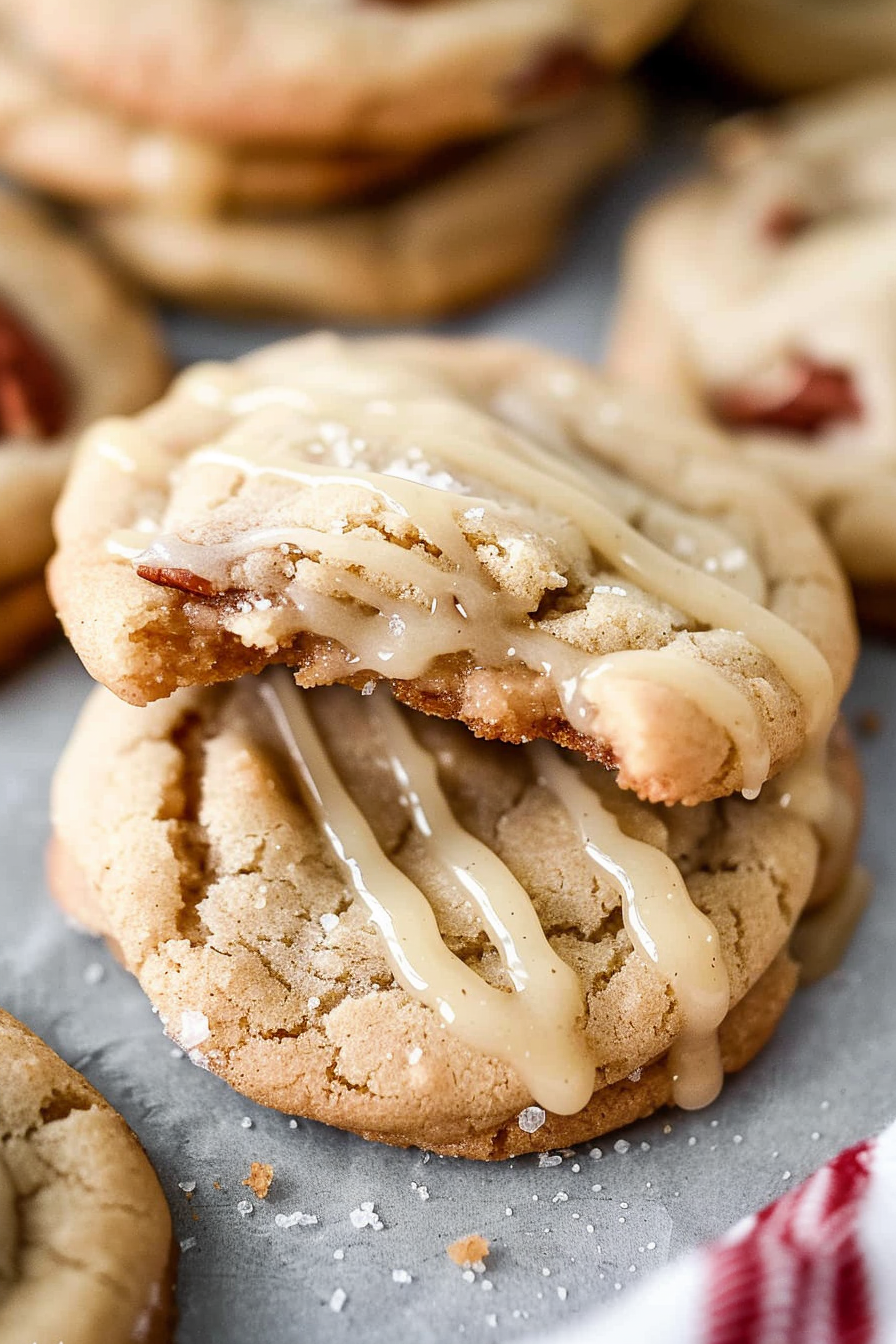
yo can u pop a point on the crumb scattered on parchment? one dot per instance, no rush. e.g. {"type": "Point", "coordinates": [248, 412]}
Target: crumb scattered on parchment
{"type": "Point", "coordinates": [467, 1251]}
{"type": "Point", "coordinates": [869, 722]}
{"type": "Point", "coordinates": [259, 1179]}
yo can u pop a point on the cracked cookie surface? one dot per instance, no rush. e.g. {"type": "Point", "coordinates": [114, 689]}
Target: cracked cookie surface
{"type": "Point", "coordinates": [85, 1234]}
{"type": "Point", "coordinates": [192, 852]}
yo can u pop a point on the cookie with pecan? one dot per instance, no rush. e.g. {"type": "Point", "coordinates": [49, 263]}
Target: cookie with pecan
{"type": "Point", "coordinates": [74, 345]}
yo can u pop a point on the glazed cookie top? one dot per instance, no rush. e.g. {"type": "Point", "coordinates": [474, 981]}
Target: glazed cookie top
{"type": "Point", "coordinates": [85, 1235]}
{"type": "Point", "coordinates": [367, 915]}
{"type": "Point", "coordinates": [493, 529]}
{"type": "Point", "coordinates": [62, 364]}
{"type": "Point", "coordinates": [767, 292]}
{"type": "Point", "coordinates": [384, 72]}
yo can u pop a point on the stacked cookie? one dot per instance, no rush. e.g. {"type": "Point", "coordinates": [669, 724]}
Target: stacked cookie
{"type": "Point", "coordinates": [480, 942]}
{"type": "Point", "coordinates": [74, 345]}
{"type": "Point", "coordinates": [364, 161]}
{"type": "Point", "coordinates": [763, 296]}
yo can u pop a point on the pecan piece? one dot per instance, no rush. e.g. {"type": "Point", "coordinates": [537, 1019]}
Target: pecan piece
{"type": "Point", "coordinates": [34, 397]}
{"type": "Point", "coordinates": [785, 221]}
{"type": "Point", "coordinates": [184, 580]}
{"type": "Point", "coordinates": [555, 73]}
{"type": "Point", "coordinates": [815, 397]}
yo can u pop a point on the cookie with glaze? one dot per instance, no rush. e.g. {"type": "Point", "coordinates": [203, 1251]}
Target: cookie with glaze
{"type": "Point", "coordinates": [86, 1249]}
{"type": "Point", "coordinates": [761, 295]}
{"type": "Point", "coordinates": [527, 424]}
{"type": "Point", "coordinates": [182, 837]}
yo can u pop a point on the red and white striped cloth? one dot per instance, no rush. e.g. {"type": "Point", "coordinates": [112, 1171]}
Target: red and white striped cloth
{"type": "Point", "coordinates": [816, 1267]}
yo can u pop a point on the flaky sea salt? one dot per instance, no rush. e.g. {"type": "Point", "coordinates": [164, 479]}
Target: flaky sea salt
{"type": "Point", "coordinates": [188, 1243]}
{"type": "Point", "coordinates": [560, 1198]}
{"type": "Point", "coordinates": [94, 973]}
{"type": "Point", "coordinates": [187, 1186]}
{"type": "Point", "coordinates": [245, 1209]}
{"type": "Point", "coordinates": [531, 1119]}
{"type": "Point", "coordinates": [549, 1159]}
{"type": "Point", "coordinates": [295, 1219]}
{"type": "Point", "coordinates": [596, 1152]}
{"type": "Point", "coordinates": [621, 1146]}
{"type": "Point", "coordinates": [339, 1254]}
{"type": "Point", "coordinates": [401, 1276]}
{"type": "Point", "coordinates": [365, 1216]}
{"type": "Point", "coordinates": [338, 1299]}
{"type": "Point", "coordinates": [246, 1123]}
{"type": "Point", "coordinates": [193, 1029]}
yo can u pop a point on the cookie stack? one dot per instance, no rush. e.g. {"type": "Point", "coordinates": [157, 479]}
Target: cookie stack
{"type": "Point", "coordinates": [366, 161]}
{"type": "Point", "coordinates": [340, 898]}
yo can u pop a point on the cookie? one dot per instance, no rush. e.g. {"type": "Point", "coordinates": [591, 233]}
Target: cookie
{"type": "Point", "coordinates": [761, 295]}
{"type": "Point", "coordinates": [382, 74]}
{"type": "Point", "coordinates": [88, 154]}
{"type": "Point", "coordinates": [454, 239]}
{"type": "Point", "coordinates": [496, 530]}
{"type": "Point", "coordinates": [367, 916]}
{"type": "Point", "coordinates": [85, 1236]}
{"type": "Point", "coordinates": [792, 46]}
{"type": "Point", "coordinates": [62, 364]}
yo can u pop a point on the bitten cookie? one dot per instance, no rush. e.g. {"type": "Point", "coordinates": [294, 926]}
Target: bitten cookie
{"type": "Point", "coordinates": [85, 1236]}
{"type": "Point", "coordinates": [366, 916]}
{"type": "Point", "coordinates": [73, 346]}
{"type": "Point", "coordinates": [382, 74]}
{"type": "Point", "coordinates": [497, 531]}
{"type": "Point", "coordinates": [790, 46]}
{"type": "Point", "coordinates": [763, 295]}
{"type": "Point", "coordinates": [481, 220]}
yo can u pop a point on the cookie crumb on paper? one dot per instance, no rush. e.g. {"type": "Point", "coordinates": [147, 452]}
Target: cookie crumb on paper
{"type": "Point", "coordinates": [261, 1174]}
{"type": "Point", "coordinates": [467, 1251]}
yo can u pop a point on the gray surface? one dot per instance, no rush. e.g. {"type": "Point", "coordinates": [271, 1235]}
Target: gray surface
{"type": "Point", "coordinates": [826, 1079]}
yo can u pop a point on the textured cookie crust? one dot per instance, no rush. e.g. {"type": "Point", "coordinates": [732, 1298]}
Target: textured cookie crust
{"type": "Point", "coordinates": [791, 46]}
{"type": "Point", "coordinates": [352, 72]}
{"type": "Point", "coordinates": [143, 639]}
{"type": "Point", "coordinates": [775, 268]}
{"type": "Point", "coordinates": [450, 240]}
{"type": "Point", "coordinates": [88, 153]}
{"type": "Point", "coordinates": [85, 1236]}
{"type": "Point", "coordinates": [180, 836]}
{"type": "Point", "coordinates": [109, 355]}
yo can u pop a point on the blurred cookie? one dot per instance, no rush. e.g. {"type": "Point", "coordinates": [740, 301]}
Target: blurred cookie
{"type": "Point", "coordinates": [74, 345]}
{"type": "Point", "coordinates": [366, 916]}
{"type": "Point", "coordinates": [451, 240]}
{"type": "Point", "coordinates": [357, 73]}
{"type": "Point", "coordinates": [505, 537]}
{"type": "Point", "coordinates": [85, 1235]}
{"type": "Point", "coordinates": [791, 46]}
{"type": "Point", "coordinates": [89, 154]}
{"type": "Point", "coordinates": [763, 294]}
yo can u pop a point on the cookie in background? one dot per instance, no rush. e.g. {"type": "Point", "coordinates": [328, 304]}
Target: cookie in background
{"type": "Point", "coordinates": [369, 162]}
{"type": "Point", "coordinates": [763, 296]}
{"type": "Point", "coordinates": [74, 345]}
{"type": "Point", "coordinates": [794, 46]}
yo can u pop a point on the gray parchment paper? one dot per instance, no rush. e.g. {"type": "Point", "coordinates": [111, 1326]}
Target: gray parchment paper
{"type": "Point", "coordinates": [564, 1235]}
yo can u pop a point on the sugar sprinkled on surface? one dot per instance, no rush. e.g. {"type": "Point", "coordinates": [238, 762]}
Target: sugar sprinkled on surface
{"type": "Point", "coordinates": [245, 1209]}
{"type": "Point", "coordinates": [596, 1152]}
{"type": "Point", "coordinates": [621, 1146]}
{"type": "Point", "coordinates": [365, 1216]}
{"type": "Point", "coordinates": [296, 1219]}
{"type": "Point", "coordinates": [188, 1243]}
{"type": "Point", "coordinates": [194, 1029]}
{"type": "Point", "coordinates": [187, 1186]}
{"type": "Point", "coordinates": [246, 1122]}
{"type": "Point", "coordinates": [401, 1276]}
{"type": "Point", "coordinates": [338, 1299]}
{"type": "Point", "coordinates": [549, 1159]}
{"type": "Point", "coordinates": [339, 1253]}
{"type": "Point", "coordinates": [94, 973]}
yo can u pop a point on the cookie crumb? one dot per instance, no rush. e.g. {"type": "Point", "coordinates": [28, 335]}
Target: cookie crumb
{"type": "Point", "coordinates": [468, 1251]}
{"type": "Point", "coordinates": [261, 1174]}
{"type": "Point", "coordinates": [338, 1299]}
{"type": "Point", "coordinates": [531, 1119]}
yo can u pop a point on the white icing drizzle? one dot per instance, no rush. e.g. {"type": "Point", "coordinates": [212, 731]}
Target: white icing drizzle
{"type": "Point", "coordinates": [663, 923]}
{"type": "Point", "coordinates": [536, 1029]}
{"type": "Point", "coordinates": [451, 603]}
